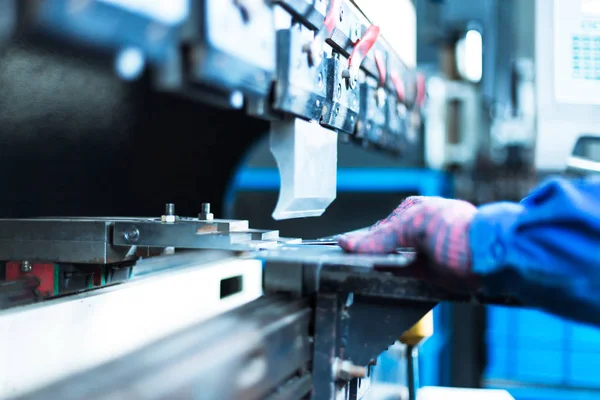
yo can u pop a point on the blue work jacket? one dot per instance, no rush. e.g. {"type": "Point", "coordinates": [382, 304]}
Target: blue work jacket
{"type": "Point", "coordinates": [544, 250]}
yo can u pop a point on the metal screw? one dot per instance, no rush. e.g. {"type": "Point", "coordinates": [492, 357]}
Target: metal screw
{"type": "Point", "coordinates": [339, 91]}
{"type": "Point", "coordinates": [401, 108]}
{"type": "Point", "coordinates": [132, 235]}
{"type": "Point", "coordinates": [314, 49]}
{"type": "Point", "coordinates": [351, 76]}
{"type": "Point", "coordinates": [344, 370]}
{"type": "Point", "coordinates": [26, 266]}
{"type": "Point", "coordinates": [169, 215]}
{"type": "Point", "coordinates": [236, 99]}
{"type": "Point", "coordinates": [380, 97]}
{"type": "Point", "coordinates": [356, 33]}
{"type": "Point", "coordinates": [206, 214]}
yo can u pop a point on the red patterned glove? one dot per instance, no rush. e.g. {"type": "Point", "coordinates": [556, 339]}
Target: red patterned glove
{"type": "Point", "coordinates": [435, 226]}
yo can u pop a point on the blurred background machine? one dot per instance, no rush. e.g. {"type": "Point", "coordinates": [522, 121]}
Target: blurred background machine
{"type": "Point", "coordinates": [116, 107]}
{"type": "Point", "coordinates": [270, 111]}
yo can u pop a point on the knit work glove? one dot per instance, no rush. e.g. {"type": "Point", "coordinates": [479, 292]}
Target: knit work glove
{"type": "Point", "coordinates": [433, 226]}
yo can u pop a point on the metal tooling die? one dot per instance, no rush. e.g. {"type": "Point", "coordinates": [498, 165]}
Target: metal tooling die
{"type": "Point", "coordinates": [115, 240]}
{"type": "Point", "coordinates": [233, 56]}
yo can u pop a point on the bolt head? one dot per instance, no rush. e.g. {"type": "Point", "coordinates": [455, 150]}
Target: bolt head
{"type": "Point", "coordinates": [314, 49]}
{"type": "Point", "coordinates": [206, 216]}
{"type": "Point", "coordinates": [168, 219]}
{"type": "Point", "coordinates": [380, 97]}
{"type": "Point", "coordinates": [26, 266]}
{"type": "Point", "coordinates": [131, 235]}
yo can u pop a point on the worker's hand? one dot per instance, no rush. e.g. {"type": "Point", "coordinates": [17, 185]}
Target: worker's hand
{"type": "Point", "coordinates": [435, 226]}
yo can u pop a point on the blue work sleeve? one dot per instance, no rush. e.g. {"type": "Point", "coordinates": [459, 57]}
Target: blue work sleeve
{"type": "Point", "coordinates": [544, 250]}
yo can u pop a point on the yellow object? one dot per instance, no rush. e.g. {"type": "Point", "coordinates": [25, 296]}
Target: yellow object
{"type": "Point", "coordinates": [420, 331]}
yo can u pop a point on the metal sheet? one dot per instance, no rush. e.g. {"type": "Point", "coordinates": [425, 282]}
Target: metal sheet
{"type": "Point", "coordinates": [334, 255]}
{"type": "Point", "coordinates": [82, 331]}
{"type": "Point", "coordinates": [251, 352]}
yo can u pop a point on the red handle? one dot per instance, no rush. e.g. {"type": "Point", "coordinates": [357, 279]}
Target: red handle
{"type": "Point", "coordinates": [380, 62]}
{"type": "Point", "coordinates": [333, 16]}
{"type": "Point", "coordinates": [421, 89]}
{"type": "Point", "coordinates": [362, 48]}
{"type": "Point", "coordinates": [399, 86]}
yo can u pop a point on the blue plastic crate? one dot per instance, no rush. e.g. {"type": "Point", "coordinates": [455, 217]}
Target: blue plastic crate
{"type": "Point", "coordinates": [500, 361]}
{"type": "Point", "coordinates": [583, 369]}
{"type": "Point", "coordinates": [538, 366]}
{"type": "Point", "coordinates": [530, 348]}
{"type": "Point", "coordinates": [584, 338]}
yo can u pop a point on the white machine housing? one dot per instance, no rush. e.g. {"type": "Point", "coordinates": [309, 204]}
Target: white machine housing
{"type": "Point", "coordinates": [567, 53]}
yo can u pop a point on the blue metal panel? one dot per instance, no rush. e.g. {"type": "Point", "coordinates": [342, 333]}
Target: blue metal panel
{"type": "Point", "coordinates": [433, 368]}
{"type": "Point", "coordinates": [584, 369]}
{"type": "Point", "coordinates": [585, 338]}
{"type": "Point", "coordinates": [538, 330]}
{"type": "Point", "coordinates": [499, 361]}
{"type": "Point", "coordinates": [530, 348]}
{"type": "Point", "coordinates": [499, 319]}
{"type": "Point", "coordinates": [425, 182]}
{"type": "Point", "coordinates": [538, 366]}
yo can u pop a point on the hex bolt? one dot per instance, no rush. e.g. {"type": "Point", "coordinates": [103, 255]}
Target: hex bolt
{"type": "Point", "coordinates": [351, 77]}
{"type": "Point", "coordinates": [206, 214]}
{"type": "Point", "coordinates": [344, 370]}
{"type": "Point", "coordinates": [26, 267]}
{"type": "Point", "coordinates": [169, 216]}
{"type": "Point", "coordinates": [380, 97]}
{"type": "Point", "coordinates": [357, 31]}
